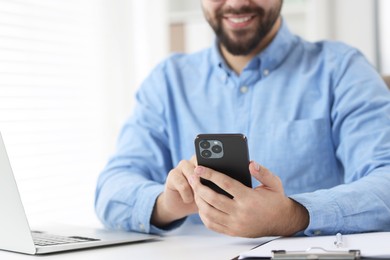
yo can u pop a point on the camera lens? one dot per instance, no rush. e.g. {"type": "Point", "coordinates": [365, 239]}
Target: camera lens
{"type": "Point", "coordinates": [204, 144]}
{"type": "Point", "coordinates": [216, 149]}
{"type": "Point", "coordinates": [206, 153]}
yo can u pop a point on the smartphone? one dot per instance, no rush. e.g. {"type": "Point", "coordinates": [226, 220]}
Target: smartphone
{"type": "Point", "coordinates": [225, 153]}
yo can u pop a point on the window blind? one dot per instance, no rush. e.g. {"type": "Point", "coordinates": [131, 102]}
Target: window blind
{"type": "Point", "coordinates": [51, 103]}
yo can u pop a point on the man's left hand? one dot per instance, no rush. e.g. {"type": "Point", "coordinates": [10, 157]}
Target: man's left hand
{"type": "Point", "coordinates": [262, 211]}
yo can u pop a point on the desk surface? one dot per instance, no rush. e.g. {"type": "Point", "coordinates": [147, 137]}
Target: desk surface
{"type": "Point", "coordinates": [188, 242]}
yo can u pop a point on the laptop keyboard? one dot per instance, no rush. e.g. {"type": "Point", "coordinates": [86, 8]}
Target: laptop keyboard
{"type": "Point", "coordinates": [44, 239]}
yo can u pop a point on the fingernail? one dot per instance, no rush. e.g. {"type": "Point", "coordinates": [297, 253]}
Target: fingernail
{"type": "Point", "coordinates": [199, 170]}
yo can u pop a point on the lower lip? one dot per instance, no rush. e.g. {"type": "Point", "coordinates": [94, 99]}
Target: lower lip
{"type": "Point", "coordinates": [238, 25]}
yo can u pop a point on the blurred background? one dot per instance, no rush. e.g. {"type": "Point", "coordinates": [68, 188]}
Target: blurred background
{"type": "Point", "coordinates": [69, 70]}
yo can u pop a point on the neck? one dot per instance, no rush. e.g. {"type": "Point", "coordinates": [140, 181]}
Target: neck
{"type": "Point", "coordinates": [238, 62]}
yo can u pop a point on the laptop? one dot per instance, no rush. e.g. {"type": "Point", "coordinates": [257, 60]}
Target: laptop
{"type": "Point", "coordinates": [16, 235]}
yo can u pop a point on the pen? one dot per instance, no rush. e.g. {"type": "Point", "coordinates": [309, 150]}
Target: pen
{"type": "Point", "coordinates": [339, 240]}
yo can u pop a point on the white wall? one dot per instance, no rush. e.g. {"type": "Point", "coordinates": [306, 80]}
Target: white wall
{"type": "Point", "coordinates": [150, 35]}
{"type": "Point", "coordinates": [51, 103]}
{"type": "Point", "coordinates": [68, 74]}
{"type": "Point", "coordinates": [384, 11]}
{"type": "Point", "coordinates": [354, 23]}
{"type": "Point", "coordinates": [136, 39]}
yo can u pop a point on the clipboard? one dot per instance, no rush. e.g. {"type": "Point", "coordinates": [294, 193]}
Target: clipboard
{"type": "Point", "coordinates": [371, 245]}
{"type": "Point", "coordinates": [316, 253]}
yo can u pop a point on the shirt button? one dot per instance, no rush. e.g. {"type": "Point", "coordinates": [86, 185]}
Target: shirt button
{"type": "Point", "coordinates": [265, 72]}
{"type": "Point", "coordinates": [141, 227]}
{"type": "Point", "coordinates": [244, 89]}
{"type": "Point", "coordinates": [317, 232]}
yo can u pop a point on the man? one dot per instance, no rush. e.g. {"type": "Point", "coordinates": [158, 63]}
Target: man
{"type": "Point", "coordinates": [317, 120]}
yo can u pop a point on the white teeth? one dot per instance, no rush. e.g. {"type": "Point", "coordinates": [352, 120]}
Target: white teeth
{"type": "Point", "coordinates": [240, 20]}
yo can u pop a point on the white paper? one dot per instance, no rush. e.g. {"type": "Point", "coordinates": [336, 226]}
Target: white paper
{"type": "Point", "coordinates": [376, 244]}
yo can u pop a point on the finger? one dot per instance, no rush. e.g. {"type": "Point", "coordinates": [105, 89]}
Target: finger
{"type": "Point", "coordinates": [265, 176]}
{"type": "Point", "coordinates": [212, 222]}
{"type": "Point", "coordinates": [186, 167]}
{"type": "Point", "coordinates": [212, 198]}
{"type": "Point", "coordinates": [208, 213]}
{"type": "Point", "coordinates": [180, 183]}
{"type": "Point", "coordinates": [230, 185]}
{"type": "Point", "coordinates": [214, 226]}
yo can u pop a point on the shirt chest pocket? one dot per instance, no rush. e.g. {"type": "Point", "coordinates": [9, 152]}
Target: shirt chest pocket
{"type": "Point", "coordinates": [300, 152]}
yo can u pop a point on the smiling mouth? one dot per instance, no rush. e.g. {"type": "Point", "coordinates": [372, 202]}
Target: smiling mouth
{"type": "Point", "coordinates": [238, 20]}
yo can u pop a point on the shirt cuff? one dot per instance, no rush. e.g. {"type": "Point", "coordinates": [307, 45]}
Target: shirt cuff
{"type": "Point", "coordinates": [170, 227]}
{"type": "Point", "coordinates": [324, 213]}
{"type": "Point", "coordinates": [144, 206]}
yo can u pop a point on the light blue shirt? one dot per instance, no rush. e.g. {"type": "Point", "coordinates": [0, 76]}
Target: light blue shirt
{"type": "Point", "coordinates": [315, 114]}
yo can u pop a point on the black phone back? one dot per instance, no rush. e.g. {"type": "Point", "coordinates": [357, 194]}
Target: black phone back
{"type": "Point", "coordinates": [225, 153]}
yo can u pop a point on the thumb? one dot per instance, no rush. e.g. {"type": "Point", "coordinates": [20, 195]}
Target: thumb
{"type": "Point", "coordinates": [265, 176]}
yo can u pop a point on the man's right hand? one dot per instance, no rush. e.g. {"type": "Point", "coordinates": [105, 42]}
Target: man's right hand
{"type": "Point", "coordinates": [177, 200]}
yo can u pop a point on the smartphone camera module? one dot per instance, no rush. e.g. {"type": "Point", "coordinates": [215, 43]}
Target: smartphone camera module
{"type": "Point", "coordinates": [211, 149]}
{"type": "Point", "coordinates": [204, 144]}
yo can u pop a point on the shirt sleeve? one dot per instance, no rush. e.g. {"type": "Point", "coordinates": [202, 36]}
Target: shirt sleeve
{"type": "Point", "coordinates": [134, 177]}
{"type": "Point", "coordinates": [361, 137]}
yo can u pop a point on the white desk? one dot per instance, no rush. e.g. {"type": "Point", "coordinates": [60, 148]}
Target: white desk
{"type": "Point", "coordinates": [188, 242]}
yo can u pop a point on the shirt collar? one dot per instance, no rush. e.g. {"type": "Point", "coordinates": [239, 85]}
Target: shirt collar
{"type": "Point", "coordinates": [280, 47]}
{"type": "Point", "coordinates": [269, 59]}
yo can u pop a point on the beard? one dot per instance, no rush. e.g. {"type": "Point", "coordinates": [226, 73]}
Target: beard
{"type": "Point", "coordinates": [244, 41]}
